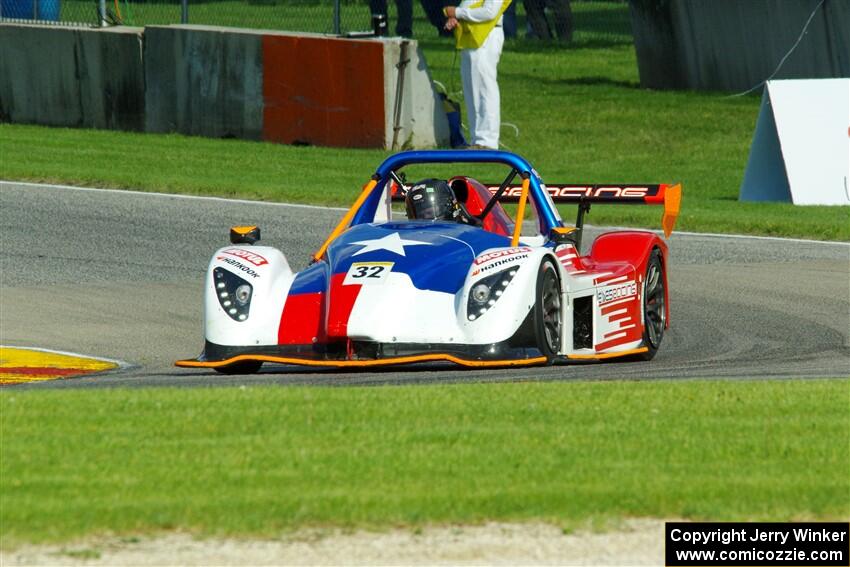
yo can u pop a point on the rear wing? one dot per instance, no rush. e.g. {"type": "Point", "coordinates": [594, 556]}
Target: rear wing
{"type": "Point", "coordinates": [670, 196]}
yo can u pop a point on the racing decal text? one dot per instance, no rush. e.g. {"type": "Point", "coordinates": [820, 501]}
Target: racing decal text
{"type": "Point", "coordinates": [500, 262]}
{"type": "Point", "coordinates": [577, 191]}
{"type": "Point", "coordinates": [239, 266]}
{"type": "Point", "coordinates": [246, 255]}
{"type": "Point", "coordinates": [500, 254]}
{"type": "Point", "coordinates": [613, 293]}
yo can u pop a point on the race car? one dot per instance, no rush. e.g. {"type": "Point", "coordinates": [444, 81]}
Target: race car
{"type": "Point", "coordinates": [477, 287]}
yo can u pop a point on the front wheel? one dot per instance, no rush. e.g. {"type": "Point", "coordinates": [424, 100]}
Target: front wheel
{"type": "Point", "coordinates": [654, 307]}
{"type": "Point", "coordinates": [547, 311]}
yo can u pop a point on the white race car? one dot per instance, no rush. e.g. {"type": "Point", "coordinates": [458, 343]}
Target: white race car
{"type": "Point", "coordinates": [479, 290]}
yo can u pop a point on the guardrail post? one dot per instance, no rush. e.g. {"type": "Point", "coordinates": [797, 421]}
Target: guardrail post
{"type": "Point", "coordinates": [336, 18]}
{"type": "Point", "coordinates": [184, 12]}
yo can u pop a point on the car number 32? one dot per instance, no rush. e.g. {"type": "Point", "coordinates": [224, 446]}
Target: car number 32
{"type": "Point", "coordinates": [365, 273]}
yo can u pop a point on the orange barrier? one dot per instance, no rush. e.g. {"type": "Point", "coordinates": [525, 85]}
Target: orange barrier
{"type": "Point", "coordinates": [323, 91]}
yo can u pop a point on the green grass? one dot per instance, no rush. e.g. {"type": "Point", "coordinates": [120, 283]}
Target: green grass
{"type": "Point", "coordinates": [581, 116]}
{"type": "Point", "coordinates": [259, 461]}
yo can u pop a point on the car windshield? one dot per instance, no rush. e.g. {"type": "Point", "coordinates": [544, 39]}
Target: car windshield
{"type": "Point", "coordinates": [475, 198]}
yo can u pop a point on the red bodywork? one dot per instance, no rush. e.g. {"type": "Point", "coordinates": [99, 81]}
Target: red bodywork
{"type": "Point", "coordinates": [475, 196]}
{"type": "Point", "coordinates": [630, 246]}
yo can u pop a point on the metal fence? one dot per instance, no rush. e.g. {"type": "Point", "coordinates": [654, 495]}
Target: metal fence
{"type": "Point", "coordinates": [590, 21]}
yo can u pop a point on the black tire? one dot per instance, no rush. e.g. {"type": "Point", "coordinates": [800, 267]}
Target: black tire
{"type": "Point", "coordinates": [654, 306]}
{"type": "Point", "coordinates": [548, 325]}
{"type": "Point", "coordinates": [241, 367]}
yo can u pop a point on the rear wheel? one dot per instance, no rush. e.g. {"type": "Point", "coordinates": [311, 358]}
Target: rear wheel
{"type": "Point", "coordinates": [547, 311]}
{"type": "Point", "coordinates": [654, 307]}
{"type": "Point", "coordinates": [241, 367]}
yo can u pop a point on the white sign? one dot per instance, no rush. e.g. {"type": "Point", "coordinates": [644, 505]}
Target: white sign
{"type": "Point", "coordinates": [801, 146]}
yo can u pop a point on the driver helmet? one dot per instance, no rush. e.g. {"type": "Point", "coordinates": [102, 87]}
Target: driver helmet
{"type": "Point", "coordinates": [431, 199]}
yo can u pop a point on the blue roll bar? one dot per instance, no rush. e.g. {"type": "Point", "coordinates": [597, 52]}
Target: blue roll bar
{"type": "Point", "coordinates": [548, 217]}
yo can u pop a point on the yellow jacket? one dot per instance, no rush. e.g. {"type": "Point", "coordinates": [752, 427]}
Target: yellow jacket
{"type": "Point", "coordinates": [471, 35]}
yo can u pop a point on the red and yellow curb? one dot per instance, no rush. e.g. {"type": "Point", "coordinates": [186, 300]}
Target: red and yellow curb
{"type": "Point", "coordinates": [21, 365]}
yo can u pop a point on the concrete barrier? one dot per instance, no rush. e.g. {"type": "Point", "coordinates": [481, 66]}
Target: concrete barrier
{"type": "Point", "coordinates": [734, 45]}
{"type": "Point", "coordinates": [222, 82]}
{"type": "Point", "coordinates": [204, 81]}
{"type": "Point", "coordinates": [368, 93]}
{"type": "Point", "coordinates": [77, 77]}
{"type": "Point", "coordinates": [422, 119]}
{"type": "Point", "coordinates": [289, 88]}
{"type": "Point", "coordinates": [339, 102]}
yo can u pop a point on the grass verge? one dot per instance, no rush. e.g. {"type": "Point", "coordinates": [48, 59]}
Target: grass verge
{"type": "Point", "coordinates": [260, 460]}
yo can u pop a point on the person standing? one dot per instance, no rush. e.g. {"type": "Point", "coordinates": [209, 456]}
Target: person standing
{"type": "Point", "coordinates": [562, 15]}
{"type": "Point", "coordinates": [404, 24]}
{"type": "Point", "coordinates": [509, 21]}
{"type": "Point", "coordinates": [434, 12]}
{"type": "Point", "coordinates": [478, 29]}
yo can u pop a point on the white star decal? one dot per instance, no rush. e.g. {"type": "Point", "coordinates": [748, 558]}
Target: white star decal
{"type": "Point", "coordinates": [391, 242]}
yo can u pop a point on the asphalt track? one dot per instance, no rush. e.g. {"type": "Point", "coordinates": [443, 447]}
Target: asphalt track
{"type": "Point", "coordinates": [119, 275]}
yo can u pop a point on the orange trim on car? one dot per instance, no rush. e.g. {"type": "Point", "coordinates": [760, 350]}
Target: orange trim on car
{"type": "Point", "coordinates": [672, 202]}
{"type": "Point", "coordinates": [360, 363]}
{"type": "Point", "coordinates": [520, 212]}
{"type": "Point", "coordinates": [343, 224]}
{"type": "Point", "coordinates": [607, 354]}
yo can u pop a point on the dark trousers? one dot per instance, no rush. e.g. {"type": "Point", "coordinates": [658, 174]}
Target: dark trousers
{"type": "Point", "coordinates": [434, 12]}
{"type": "Point", "coordinates": [509, 21]}
{"type": "Point", "coordinates": [562, 16]}
{"type": "Point", "coordinates": [404, 25]}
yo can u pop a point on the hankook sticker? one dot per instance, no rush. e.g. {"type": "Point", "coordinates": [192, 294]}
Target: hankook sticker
{"type": "Point", "coordinates": [239, 266]}
{"type": "Point", "coordinates": [484, 258]}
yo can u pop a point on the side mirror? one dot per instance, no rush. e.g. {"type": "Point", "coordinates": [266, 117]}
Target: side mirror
{"type": "Point", "coordinates": [244, 234]}
{"type": "Point", "coordinates": [565, 235]}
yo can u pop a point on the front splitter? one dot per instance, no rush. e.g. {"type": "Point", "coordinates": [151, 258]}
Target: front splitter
{"type": "Point", "coordinates": [393, 361]}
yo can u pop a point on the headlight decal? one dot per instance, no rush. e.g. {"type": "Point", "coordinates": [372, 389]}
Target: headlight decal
{"type": "Point", "coordinates": [486, 292]}
{"type": "Point", "coordinates": [234, 294]}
